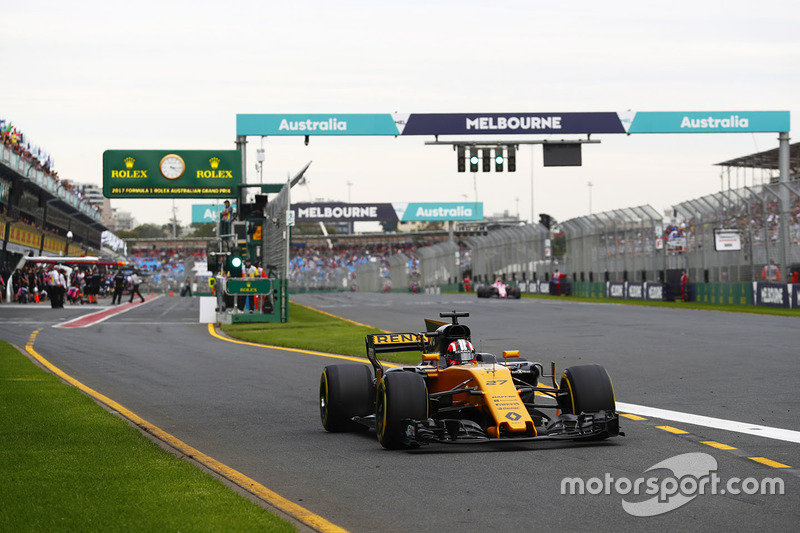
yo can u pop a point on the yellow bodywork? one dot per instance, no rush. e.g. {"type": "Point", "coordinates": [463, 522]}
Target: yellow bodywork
{"type": "Point", "coordinates": [500, 398]}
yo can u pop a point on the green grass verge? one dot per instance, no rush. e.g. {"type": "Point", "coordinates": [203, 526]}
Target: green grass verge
{"type": "Point", "coordinates": [308, 329]}
{"type": "Point", "coordinates": [69, 465]}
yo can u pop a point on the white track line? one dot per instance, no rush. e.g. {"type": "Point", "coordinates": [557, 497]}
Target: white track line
{"type": "Point", "coordinates": [717, 423]}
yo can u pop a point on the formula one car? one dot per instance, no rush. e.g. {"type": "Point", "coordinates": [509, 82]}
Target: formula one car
{"type": "Point", "coordinates": [457, 395]}
{"type": "Point", "coordinates": [498, 289]}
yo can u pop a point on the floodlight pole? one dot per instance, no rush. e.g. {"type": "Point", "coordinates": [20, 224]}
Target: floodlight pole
{"type": "Point", "coordinates": [532, 158]}
{"type": "Point", "coordinates": [241, 145]}
{"type": "Point", "coordinates": [783, 193]}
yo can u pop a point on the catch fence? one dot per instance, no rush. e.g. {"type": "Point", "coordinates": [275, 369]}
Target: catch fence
{"type": "Point", "coordinates": [635, 244]}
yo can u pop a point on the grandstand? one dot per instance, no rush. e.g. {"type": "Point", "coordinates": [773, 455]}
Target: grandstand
{"type": "Point", "coordinates": [166, 263]}
{"type": "Point", "coordinates": [41, 214]}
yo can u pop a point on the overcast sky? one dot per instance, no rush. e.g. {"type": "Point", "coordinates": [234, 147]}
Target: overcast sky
{"type": "Point", "coordinates": [83, 77]}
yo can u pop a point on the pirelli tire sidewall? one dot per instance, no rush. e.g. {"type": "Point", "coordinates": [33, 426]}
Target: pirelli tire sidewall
{"type": "Point", "coordinates": [345, 391]}
{"type": "Point", "coordinates": [587, 389]}
{"type": "Point", "coordinates": [400, 396]}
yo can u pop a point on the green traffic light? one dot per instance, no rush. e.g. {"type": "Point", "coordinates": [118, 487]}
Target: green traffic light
{"type": "Point", "coordinates": [236, 262]}
{"type": "Point", "coordinates": [473, 160]}
{"type": "Point", "coordinates": [498, 160]}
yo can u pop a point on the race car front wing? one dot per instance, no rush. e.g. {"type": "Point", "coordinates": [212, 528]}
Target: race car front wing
{"type": "Point", "coordinates": [586, 426]}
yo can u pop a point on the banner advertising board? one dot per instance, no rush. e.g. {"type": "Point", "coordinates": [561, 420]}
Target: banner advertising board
{"type": "Point", "coordinates": [709, 122]}
{"type": "Point", "coordinates": [439, 211]}
{"type": "Point", "coordinates": [207, 213]}
{"type": "Point", "coordinates": [615, 289]}
{"type": "Point", "coordinates": [727, 240]}
{"type": "Point", "coordinates": [342, 212]}
{"type": "Point", "coordinates": [522, 123]}
{"type": "Point", "coordinates": [771, 294]}
{"type": "Point", "coordinates": [248, 286]}
{"type": "Point", "coordinates": [400, 212]}
{"type": "Point", "coordinates": [171, 173]}
{"type": "Point", "coordinates": [654, 291]}
{"type": "Point", "coordinates": [634, 291]}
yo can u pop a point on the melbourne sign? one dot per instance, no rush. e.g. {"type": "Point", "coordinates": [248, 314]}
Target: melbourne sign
{"type": "Point", "coordinates": [514, 123]}
{"type": "Point", "coordinates": [171, 173]}
{"type": "Point", "coordinates": [332, 212]}
{"type": "Point", "coordinates": [400, 212]}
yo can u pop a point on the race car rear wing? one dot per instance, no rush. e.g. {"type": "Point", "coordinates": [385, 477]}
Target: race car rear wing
{"type": "Point", "coordinates": [437, 335]}
{"type": "Point", "coordinates": [390, 343]}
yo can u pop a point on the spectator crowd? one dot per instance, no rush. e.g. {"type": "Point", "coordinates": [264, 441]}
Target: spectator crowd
{"type": "Point", "coordinates": [19, 143]}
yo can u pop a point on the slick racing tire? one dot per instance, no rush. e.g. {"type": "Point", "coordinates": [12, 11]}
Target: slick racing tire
{"type": "Point", "coordinates": [401, 396]}
{"type": "Point", "coordinates": [587, 389]}
{"type": "Point", "coordinates": [345, 391]}
{"type": "Point", "coordinates": [516, 293]}
{"type": "Point", "coordinates": [481, 292]}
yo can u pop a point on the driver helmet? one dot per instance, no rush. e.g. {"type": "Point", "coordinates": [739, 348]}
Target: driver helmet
{"type": "Point", "coordinates": [460, 352]}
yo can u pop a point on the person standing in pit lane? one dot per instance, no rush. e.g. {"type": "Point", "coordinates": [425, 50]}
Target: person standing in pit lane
{"type": "Point", "coordinates": [119, 285]}
{"type": "Point", "coordinates": [92, 287]}
{"type": "Point", "coordinates": [62, 286]}
{"type": "Point", "coordinates": [135, 282]}
{"type": "Point", "coordinates": [53, 287]}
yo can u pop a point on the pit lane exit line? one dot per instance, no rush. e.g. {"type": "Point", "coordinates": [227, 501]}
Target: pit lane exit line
{"type": "Point", "coordinates": [787, 435]}
{"type": "Point", "coordinates": [102, 315]}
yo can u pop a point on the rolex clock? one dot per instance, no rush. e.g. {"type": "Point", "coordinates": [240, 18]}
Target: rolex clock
{"type": "Point", "coordinates": [172, 166]}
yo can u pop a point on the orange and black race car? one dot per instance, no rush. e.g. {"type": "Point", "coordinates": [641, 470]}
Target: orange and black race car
{"type": "Point", "coordinates": [458, 395]}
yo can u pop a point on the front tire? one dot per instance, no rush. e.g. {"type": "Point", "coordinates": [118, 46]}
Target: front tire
{"type": "Point", "coordinates": [345, 391]}
{"type": "Point", "coordinates": [400, 396]}
{"type": "Point", "coordinates": [586, 389]}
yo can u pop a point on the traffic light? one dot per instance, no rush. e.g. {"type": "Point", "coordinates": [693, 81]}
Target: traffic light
{"type": "Point", "coordinates": [486, 157]}
{"type": "Point", "coordinates": [498, 159]}
{"type": "Point", "coordinates": [545, 220]}
{"type": "Point", "coordinates": [462, 159]}
{"type": "Point", "coordinates": [212, 262]}
{"type": "Point", "coordinates": [235, 263]}
{"type": "Point", "coordinates": [473, 160]}
{"type": "Point", "coordinates": [512, 158]}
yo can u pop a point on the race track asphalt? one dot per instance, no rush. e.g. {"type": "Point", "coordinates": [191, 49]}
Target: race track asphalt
{"type": "Point", "coordinates": [256, 410]}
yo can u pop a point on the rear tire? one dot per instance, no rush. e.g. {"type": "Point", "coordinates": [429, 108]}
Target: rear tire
{"type": "Point", "coordinates": [588, 389]}
{"type": "Point", "coordinates": [345, 391]}
{"type": "Point", "coordinates": [400, 396]}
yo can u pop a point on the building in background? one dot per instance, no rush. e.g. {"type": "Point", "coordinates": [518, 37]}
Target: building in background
{"type": "Point", "coordinates": [94, 194]}
{"type": "Point", "coordinates": [123, 220]}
